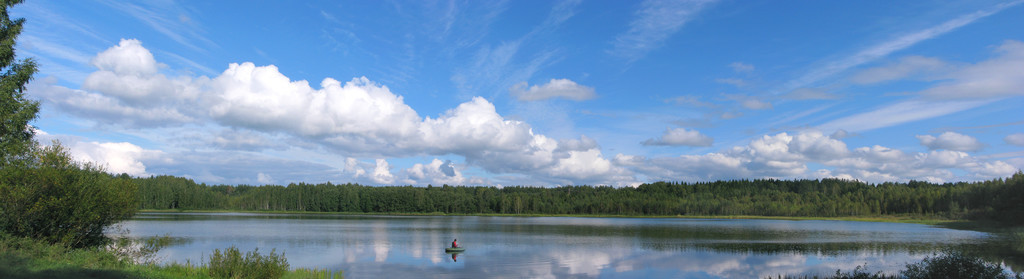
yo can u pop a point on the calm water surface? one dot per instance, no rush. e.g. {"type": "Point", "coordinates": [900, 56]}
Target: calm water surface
{"type": "Point", "coordinates": [553, 247]}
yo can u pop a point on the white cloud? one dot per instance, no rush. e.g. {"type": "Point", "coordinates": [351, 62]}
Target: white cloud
{"type": "Point", "coordinates": [731, 114]}
{"type": "Point", "coordinates": [264, 179]}
{"type": "Point", "coordinates": [906, 67]}
{"type": "Point", "coordinates": [994, 78]}
{"type": "Point", "coordinates": [734, 81]}
{"type": "Point", "coordinates": [789, 156]}
{"type": "Point", "coordinates": [165, 17]}
{"type": "Point", "coordinates": [681, 136]}
{"type": "Point", "coordinates": [382, 173]}
{"type": "Point", "coordinates": [356, 118]}
{"type": "Point", "coordinates": [105, 109]}
{"type": "Point", "coordinates": [1015, 139]}
{"type": "Point", "coordinates": [240, 139]}
{"type": "Point", "coordinates": [690, 100]}
{"type": "Point", "coordinates": [655, 22]}
{"type": "Point", "coordinates": [255, 107]}
{"type": "Point", "coordinates": [582, 164]}
{"type": "Point", "coordinates": [810, 94]}
{"type": "Point", "coordinates": [899, 113]}
{"type": "Point", "coordinates": [128, 73]}
{"type": "Point", "coordinates": [741, 67]}
{"type": "Point", "coordinates": [888, 47]}
{"type": "Point", "coordinates": [116, 157]}
{"type": "Point", "coordinates": [951, 141]}
{"type": "Point", "coordinates": [357, 114]}
{"type": "Point", "coordinates": [556, 88]}
{"type": "Point", "coordinates": [749, 102]}
{"type": "Point", "coordinates": [756, 104]}
{"type": "Point", "coordinates": [127, 58]}
{"type": "Point", "coordinates": [439, 172]}
{"type": "Point", "coordinates": [840, 134]}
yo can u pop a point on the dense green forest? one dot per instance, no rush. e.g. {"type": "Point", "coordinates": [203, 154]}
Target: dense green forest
{"type": "Point", "coordinates": [998, 199]}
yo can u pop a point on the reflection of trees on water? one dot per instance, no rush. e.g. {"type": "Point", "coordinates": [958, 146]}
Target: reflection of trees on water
{"type": "Point", "coordinates": [409, 246]}
{"type": "Point", "coordinates": [827, 248]}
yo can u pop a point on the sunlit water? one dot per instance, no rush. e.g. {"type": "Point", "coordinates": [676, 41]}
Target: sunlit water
{"type": "Point", "coordinates": [553, 247]}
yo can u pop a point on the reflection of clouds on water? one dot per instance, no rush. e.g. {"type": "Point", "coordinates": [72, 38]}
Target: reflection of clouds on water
{"type": "Point", "coordinates": [381, 246]}
{"type": "Point", "coordinates": [400, 247]}
{"type": "Point", "coordinates": [583, 262]}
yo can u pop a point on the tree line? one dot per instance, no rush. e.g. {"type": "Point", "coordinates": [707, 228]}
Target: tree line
{"type": "Point", "coordinates": [1000, 199]}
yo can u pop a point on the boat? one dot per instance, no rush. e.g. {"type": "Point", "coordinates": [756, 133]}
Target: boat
{"type": "Point", "coordinates": [455, 249]}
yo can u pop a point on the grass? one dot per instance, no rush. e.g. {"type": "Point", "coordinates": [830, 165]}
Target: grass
{"type": "Point", "coordinates": [948, 265]}
{"type": "Point", "coordinates": [27, 258]}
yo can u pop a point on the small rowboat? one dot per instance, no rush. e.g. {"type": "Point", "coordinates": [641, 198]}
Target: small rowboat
{"type": "Point", "coordinates": [455, 250]}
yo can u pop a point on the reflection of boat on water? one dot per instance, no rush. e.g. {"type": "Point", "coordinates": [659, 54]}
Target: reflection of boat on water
{"type": "Point", "coordinates": [454, 249]}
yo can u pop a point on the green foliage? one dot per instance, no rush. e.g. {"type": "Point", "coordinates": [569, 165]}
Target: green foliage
{"type": "Point", "coordinates": [1001, 200]}
{"type": "Point", "coordinates": [315, 273]}
{"type": "Point", "coordinates": [955, 265]}
{"type": "Point", "coordinates": [948, 265]}
{"type": "Point", "coordinates": [141, 251]}
{"type": "Point", "coordinates": [61, 201]}
{"type": "Point", "coordinates": [22, 257]}
{"type": "Point", "coordinates": [858, 273]}
{"type": "Point", "coordinates": [231, 264]}
{"type": "Point", "coordinates": [16, 136]}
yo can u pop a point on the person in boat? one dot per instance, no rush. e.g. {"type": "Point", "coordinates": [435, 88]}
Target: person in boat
{"type": "Point", "coordinates": [455, 243]}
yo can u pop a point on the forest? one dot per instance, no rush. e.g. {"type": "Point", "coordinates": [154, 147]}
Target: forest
{"type": "Point", "coordinates": [1000, 199]}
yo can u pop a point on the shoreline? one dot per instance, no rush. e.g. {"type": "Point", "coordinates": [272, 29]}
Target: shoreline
{"type": "Point", "coordinates": [883, 219]}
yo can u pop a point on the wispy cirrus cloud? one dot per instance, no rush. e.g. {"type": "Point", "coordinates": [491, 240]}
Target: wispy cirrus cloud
{"type": "Point", "coordinates": [494, 69]}
{"type": "Point", "coordinates": [655, 22]}
{"type": "Point", "coordinates": [899, 113]}
{"type": "Point", "coordinates": [885, 48]}
{"type": "Point", "coordinates": [168, 19]}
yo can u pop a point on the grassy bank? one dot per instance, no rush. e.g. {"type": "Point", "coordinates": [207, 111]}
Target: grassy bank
{"type": "Point", "coordinates": [28, 258]}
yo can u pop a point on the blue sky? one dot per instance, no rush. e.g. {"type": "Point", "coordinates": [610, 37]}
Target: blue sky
{"type": "Point", "coordinates": [537, 93]}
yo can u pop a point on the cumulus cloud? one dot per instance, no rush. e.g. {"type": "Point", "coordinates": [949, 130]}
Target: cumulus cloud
{"type": "Point", "coordinates": [951, 141]}
{"type": "Point", "coordinates": [1015, 139]}
{"type": "Point", "coordinates": [115, 157]}
{"type": "Point", "coordinates": [681, 136]}
{"type": "Point", "coordinates": [786, 155]}
{"type": "Point", "coordinates": [127, 58]}
{"type": "Point", "coordinates": [382, 173]}
{"type": "Point", "coordinates": [253, 108]}
{"type": "Point", "coordinates": [129, 73]}
{"type": "Point", "coordinates": [556, 88]}
{"type": "Point", "coordinates": [355, 118]}
{"type": "Point", "coordinates": [105, 109]}
{"type": "Point", "coordinates": [264, 179]}
{"type": "Point", "coordinates": [439, 172]}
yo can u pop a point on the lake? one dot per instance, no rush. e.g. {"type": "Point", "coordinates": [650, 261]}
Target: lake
{"type": "Point", "coordinates": [553, 247]}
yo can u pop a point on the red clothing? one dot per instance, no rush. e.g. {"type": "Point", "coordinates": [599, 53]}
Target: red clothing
{"type": "Point", "coordinates": [454, 244]}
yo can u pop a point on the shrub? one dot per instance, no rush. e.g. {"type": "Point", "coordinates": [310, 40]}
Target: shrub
{"type": "Point", "coordinates": [60, 201]}
{"type": "Point", "coordinates": [231, 264]}
{"type": "Point", "coordinates": [953, 265]}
